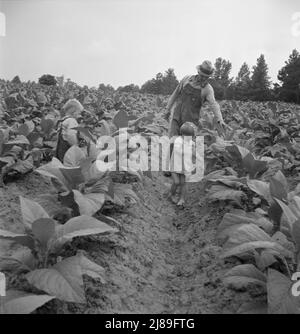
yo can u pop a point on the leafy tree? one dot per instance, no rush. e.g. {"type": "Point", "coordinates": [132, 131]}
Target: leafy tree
{"type": "Point", "coordinates": [243, 76]}
{"type": "Point", "coordinates": [158, 84]}
{"type": "Point", "coordinates": [16, 80]}
{"type": "Point", "coordinates": [218, 69]}
{"type": "Point", "coordinates": [289, 76]}
{"type": "Point", "coordinates": [222, 71]}
{"type": "Point", "coordinates": [242, 83]}
{"type": "Point", "coordinates": [221, 78]}
{"type": "Point", "coordinates": [161, 84]}
{"type": "Point", "coordinates": [149, 87]}
{"type": "Point", "coordinates": [132, 88]}
{"type": "Point", "coordinates": [260, 81]}
{"type": "Point", "coordinates": [47, 79]}
{"type": "Point", "coordinates": [169, 83]}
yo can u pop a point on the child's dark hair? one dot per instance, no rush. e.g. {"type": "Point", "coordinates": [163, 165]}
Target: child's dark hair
{"type": "Point", "coordinates": [188, 129]}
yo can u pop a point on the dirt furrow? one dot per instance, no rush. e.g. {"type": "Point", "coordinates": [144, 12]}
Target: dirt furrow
{"type": "Point", "coordinates": [166, 260]}
{"type": "Point", "coordinates": [163, 260]}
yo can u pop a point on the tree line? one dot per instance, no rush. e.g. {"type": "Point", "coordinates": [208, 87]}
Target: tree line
{"type": "Point", "coordinates": [162, 84]}
{"type": "Point", "coordinates": [249, 84]}
{"type": "Point", "coordinates": [256, 84]}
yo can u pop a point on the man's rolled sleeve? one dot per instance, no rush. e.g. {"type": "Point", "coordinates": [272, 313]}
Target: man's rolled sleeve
{"type": "Point", "coordinates": [214, 105]}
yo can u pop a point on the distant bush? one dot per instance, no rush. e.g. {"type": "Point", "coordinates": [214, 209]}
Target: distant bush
{"type": "Point", "coordinates": [16, 80]}
{"type": "Point", "coordinates": [47, 79]}
{"type": "Point", "coordinates": [129, 89]}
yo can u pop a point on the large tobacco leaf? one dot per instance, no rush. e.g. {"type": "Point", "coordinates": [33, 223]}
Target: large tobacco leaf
{"type": "Point", "coordinates": [80, 226]}
{"type": "Point", "coordinates": [64, 279]}
{"type": "Point", "coordinates": [20, 302]}
{"type": "Point", "coordinates": [280, 297]}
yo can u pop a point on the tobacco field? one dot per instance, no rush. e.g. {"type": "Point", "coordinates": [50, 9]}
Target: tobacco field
{"type": "Point", "coordinates": [75, 240]}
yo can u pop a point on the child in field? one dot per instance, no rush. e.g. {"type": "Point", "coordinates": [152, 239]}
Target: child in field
{"type": "Point", "coordinates": [67, 136]}
{"type": "Point", "coordinates": [181, 162]}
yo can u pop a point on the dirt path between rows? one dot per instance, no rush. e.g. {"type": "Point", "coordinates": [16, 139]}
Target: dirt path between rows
{"type": "Point", "coordinates": [163, 260]}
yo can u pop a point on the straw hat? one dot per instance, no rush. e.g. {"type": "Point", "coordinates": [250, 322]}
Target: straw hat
{"type": "Point", "coordinates": [206, 68]}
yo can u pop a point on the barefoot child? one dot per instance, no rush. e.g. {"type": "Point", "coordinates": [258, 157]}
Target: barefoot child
{"type": "Point", "coordinates": [181, 162]}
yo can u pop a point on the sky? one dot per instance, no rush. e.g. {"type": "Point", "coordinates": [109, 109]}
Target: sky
{"type": "Point", "coordinates": [120, 42]}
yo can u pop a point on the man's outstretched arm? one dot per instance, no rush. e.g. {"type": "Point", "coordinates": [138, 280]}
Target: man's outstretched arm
{"type": "Point", "coordinates": [209, 96]}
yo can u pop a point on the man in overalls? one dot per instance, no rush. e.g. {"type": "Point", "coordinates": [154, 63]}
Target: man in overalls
{"type": "Point", "coordinates": [186, 101]}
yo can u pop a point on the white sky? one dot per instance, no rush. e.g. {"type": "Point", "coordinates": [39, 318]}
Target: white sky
{"type": "Point", "coordinates": [119, 42]}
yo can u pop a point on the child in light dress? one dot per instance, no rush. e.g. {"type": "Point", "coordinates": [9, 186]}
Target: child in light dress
{"type": "Point", "coordinates": [182, 163]}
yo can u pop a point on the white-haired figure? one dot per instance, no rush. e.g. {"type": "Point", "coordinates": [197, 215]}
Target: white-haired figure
{"type": "Point", "coordinates": [67, 136]}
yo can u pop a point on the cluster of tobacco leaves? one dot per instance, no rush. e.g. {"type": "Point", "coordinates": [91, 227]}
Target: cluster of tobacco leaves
{"type": "Point", "coordinates": [248, 169]}
{"type": "Point", "coordinates": [29, 115]}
